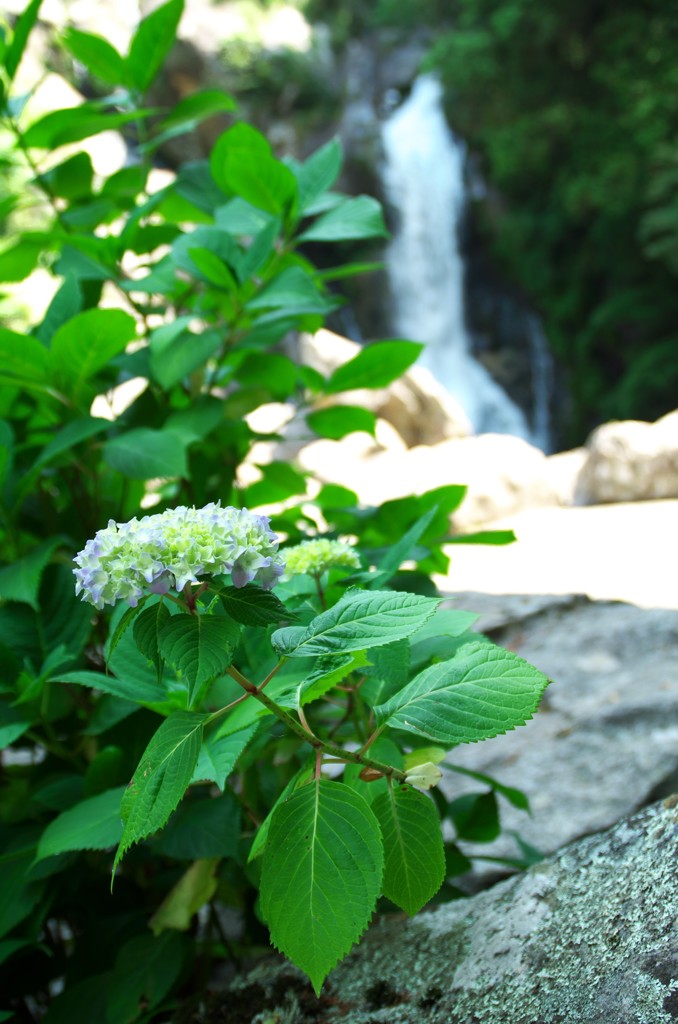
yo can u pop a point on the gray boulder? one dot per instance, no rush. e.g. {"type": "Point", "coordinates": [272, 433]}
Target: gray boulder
{"type": "Point", "coordinates": [588, 937]}
{"type": "Point", "coordinates": [605, 740]}
{"type": "Point", "coordinates": [630, 461]}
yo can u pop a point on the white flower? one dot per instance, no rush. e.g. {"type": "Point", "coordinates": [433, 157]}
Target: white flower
{"type": "Point", "coordinates": [424, 776]}
{"type": "Point", "coordinates": [315, 556]}
{"type": "Point", "coordinates": [175, 547]}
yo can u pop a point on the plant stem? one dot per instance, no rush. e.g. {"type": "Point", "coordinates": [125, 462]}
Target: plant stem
{"type": "Point", "coordinates": [325, 745]}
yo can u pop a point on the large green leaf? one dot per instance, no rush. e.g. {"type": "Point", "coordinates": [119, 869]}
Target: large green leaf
{"type": "Point", "coordinates": [198, 646]}
{"type": "Point", "coordinates": [206, 827]}
{"type": "Point", "coordinates": [22, 30]}
{"type": "Point", "coordinates": [360, 619]}
{"type": "Point", "coordinates": [96, 53]}
{"type": "Point", "coordinates": [318, 173]}
{"type": "Point", "coordinates": [337, 421]}
{"type": "Point", "coordinates": [482, 692]}
{"type": "Point", "coordinates": [70, 435]}
{"type": "Point", "coordinates": [242, 164]}
{"type": "Point", "coordinates": [375, 366]}
{"type": "Point", "coordinates": [85, 345]}
{"type": "Point", "coordinates": [13, 723]}
{"type": "Point", "coordinates": [161, 779]}
{"type": "Point", "coordinates": [328, 672]}
{"type": "Point", "coordinates": [292, 289]}
{"type": "Point", "coordinates": [147, 627]}
{"type": "Point", "coordinates": [253, 606]}
{"type": "Point", "coordinates": [196, 107]}
{"type": "Point", "coordinates": [152, 42]}
{"type": "Point", "coordinates": [20, 259]}
{"type": "Point", "coordinates": [23, 357]}
{"type": "Point", "coordinates": [219, 754]}
{"type": "Point", "coordinates": [414, 867]}
{"type": "Point", "coordinates": [360, 217]}
{"type": "Point", "coordinates": [144, 453]}
{"type": "Point", "coordinates": [70, 179]}
{"type": "Point", "coordinates": [321, 875]}
{"type": "Point", "coordinates": [20, 581]}
{"type": "Point", "coordinates": [300, 778]}
{"type": "Point", "coordinates": [61, 127]}
{"type": "Point", "coordinates": [93, 824]}
{"type": "Point", "coordinates": [141, 691]}
{"type": "Point", "coordinates": [145, 970]}
{"type": "Point", "coordinates": [185, 352]}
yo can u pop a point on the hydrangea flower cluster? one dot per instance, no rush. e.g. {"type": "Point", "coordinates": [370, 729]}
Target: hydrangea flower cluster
{"type": "Point", "coordinates": [164, 551]}
{"type": "Point", "coordinates": [315, 556]}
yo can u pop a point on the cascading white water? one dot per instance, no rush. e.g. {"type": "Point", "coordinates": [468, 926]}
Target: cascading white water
{"type": "Point", "coordinates": [424, 181]}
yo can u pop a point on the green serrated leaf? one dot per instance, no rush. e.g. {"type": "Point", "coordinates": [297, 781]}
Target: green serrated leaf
{"type": "Point", "coordinates": [123, 625]}
{"type": "Point", "coordinates": [147, 628]}
{"type": "Point", "coordinates": [198, 106]}
{"type": "Point", "coordinates": [481, 692]}
{"type": "Point", "coordinates": [22, 31]}
{"type": "Point", "coordinates": [198, 646]}
{"type": "Point", "coordinates": [445, 622]}
{"type": "Point", "coordinates": [403, 548]}
{"type": "Point", "coordinates": [359, 217]}
{"type": "Point", "coordinates": [338, 421]}
{"type": "Point", "coordinates": [242, 164]}
{"type": "Point", "coordinates": [201, 828]}
{"type": "Point", "coordinates": [152, 42]}
{"type": "Point", "coordinates": [93, 824]}
{"type": "Point", "coordinates": [97, 54]}
{"type": "Point", "coordinates": [414, 867]}
{"type": "Point", "coordinates": [20, 581]}
{"type": "Point", "coordinates": [253, 606]}
{"type": "Point", "coordinates": [375, 366]}
{"type": "Point", "coordinates": [23, 357]}
{"type": "Point", "coordinates": [133, 689]}
{"type": "Point", "coordinates": [321, 875]}
{"type": "Point", "coordinates": [213, 269]}
{"type": "Point", "coordinates": [19, 260]}
{"type": "Point", "coordinates": [145, 970]}
{"type": "Point", "coordinates": [161, 779]}
{"type": "Point", "coordinates": [299, 779]}
{"type": "Point", "coordinates": [360, 619]}
{"type": "Point", "coordinates": [318, 173]}
{"type": "Point", "coordinates": [71, 434]}
{"type": "Point", "coordinates": [219, 754]}
{"type": "Point", "coordinates": [85, 345]}
{"type": "Point", "coordinates": [329, 672]}
{"type": "Point", "coordinates": [475, 817]}
{"type": "Point", "coordinates": [293, 291]}
{"type": "Point", "coordinates": [61, 127]}
{"type": "Point", "coordinates": [176, 352]}
{"type": "Point", "coordinates": [13, 723]}
{"type": "Point", "coordinates": [144, 453]}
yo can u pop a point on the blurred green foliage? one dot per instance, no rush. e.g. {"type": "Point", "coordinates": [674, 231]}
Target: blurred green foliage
{"type": "Point", "coordinates": [573, 108]}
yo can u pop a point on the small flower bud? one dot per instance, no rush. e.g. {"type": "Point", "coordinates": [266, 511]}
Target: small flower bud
{"type": "Point", "coordinates": [371, 774]}
{"type": "Point", "coordinates": [316, 556]}
{"type": "Point", "coordinates": [424, 776]}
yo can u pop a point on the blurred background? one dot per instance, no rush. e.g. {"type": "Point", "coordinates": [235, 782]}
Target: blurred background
{"type": "Point", "coordinates": [527, 157]}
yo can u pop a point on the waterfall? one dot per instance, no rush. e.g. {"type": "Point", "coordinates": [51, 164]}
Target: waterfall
{"type": "Point", "coordinates": [424, 182]}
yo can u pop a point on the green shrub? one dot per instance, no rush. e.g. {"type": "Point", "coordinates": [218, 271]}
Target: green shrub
{"type": "Point", "coordinates": [188, 291]}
